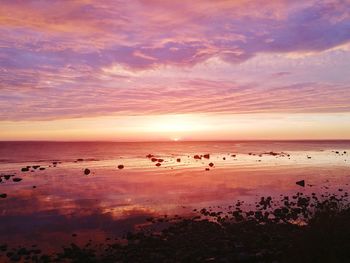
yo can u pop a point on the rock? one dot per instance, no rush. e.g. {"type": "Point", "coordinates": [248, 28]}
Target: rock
{"type": "Point", "coordinates": [178, 160]}
{"type": "Point", "coordinates": [197, 157]}
{"type": "Point", "coordinates": [87, 171]}
{"type": "Point", "coordinates": [80, 160]}
{"type": "Point", "coordinates": [301, 183]}
{"type": "Point", "coordinates": [42, 168]}
{"type": "Point", "coordinates": [36, 166]}
{"type": "Point", "coordinates": [158, 164]}
{"type": "Point", "coordinates": [207, 169]}
{"type": "Point", "coordinates": [211, 164]}
{"type": "Point", "coordinates": [154, 159]}
{"type": "Point", "coordinates": [149, 155]}
{"type": "Point", "coordinates": [3, 195]}
{"type": "Point", "coordinates": [34, 186]}
{"type": "Point", "coordinates": [7, 176]}
{"type": "Point", "coordinates": [233, 155]}
{"type": "Point", "coordinates": [17, 179]}
{"type": "Point", "coordinates": [25, 169]}
{"type": "Point", "coordinates": [207, 156]}
{"type": "Point", "coordinates": [120, 166]}
{"type": "Point", "coordinates": [224, 158]}
{"type": "Point", "coordinates": [160, 160]}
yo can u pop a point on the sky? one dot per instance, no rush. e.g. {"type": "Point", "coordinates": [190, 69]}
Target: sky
{"type": "Point", "coordinates": [143, 70]}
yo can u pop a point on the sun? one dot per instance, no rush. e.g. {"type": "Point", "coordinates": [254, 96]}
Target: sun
{"type": "Point", "coordinates": [176, 139]}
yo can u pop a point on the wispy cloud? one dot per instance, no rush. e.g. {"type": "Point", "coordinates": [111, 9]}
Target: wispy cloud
{"type": "Point", "coordinates": [63, 59]}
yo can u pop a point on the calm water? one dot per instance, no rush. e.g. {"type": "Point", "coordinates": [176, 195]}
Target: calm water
{"type": "Point", "coordinates": [110, 201]}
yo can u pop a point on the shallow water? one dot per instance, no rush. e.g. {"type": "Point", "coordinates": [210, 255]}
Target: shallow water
{"type": "Point", "coordinates": [110, 201]}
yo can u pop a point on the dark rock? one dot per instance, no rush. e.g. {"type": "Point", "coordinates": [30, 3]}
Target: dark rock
{"type": "Point", "coordinates": [80, 160]}
{"type": "Point", "coordinates": [301, 183]}
{"type": "Point", "coordinates": [87, 171]}
{"type": "Point", "coordinates": [25, 169]}
{"type": "Point", "coordinates": [154, 159]}
{"type": "Point", "coordinates": [7, 176]}
{"type": "Point", "coordinates": [160, 160]}
{"type": "Point", "coordinates": [149, 155]}
{"type": "Point", "coordinates": [42, 168]}
{"type": "Point", "coordinates": [36, 166]}
{"type": "Point", "coordinates": [3, 195]}
{"type": "Point", "coordinates": [120, 166]}
{"type": "Point", "coordinates": [197, 157]}
{"type": "Point", "coordinates": [158, 164]}
{"type": "Point", "coordinates": [207, 156]}
{"type": "Point", "coordinates": [178, 160]}
{"type": "Point", "coordinates": [211, 164]}
{"type": "Point", "coordinates": [17, 179]}
{"type": "Point", "coordinates": [207, 169]}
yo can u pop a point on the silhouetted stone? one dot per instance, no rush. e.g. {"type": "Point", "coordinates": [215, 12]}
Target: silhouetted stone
{"type": "Point", "coordinates": [16, 179]}
{"type": "Point", "coordinates": [149, 155]}
{"type": "Point", "coordinates": [158, 164]}
{"type": "Point", "coordinates": [7, 176]}
{"type": "Point", "coordinates": [120, 166]}
{"type": "Point", "coordinates": [301, 183]}
{"type": "Point", "coordinates": [42, 168]}
{"type": "Point", "coordinates": [211, 164]}
{"type": "Point", "coordinates": [207, 169]}
{"type": "Point", "coordinates": [36, 166]}
{"type": "Point", "coordinates": [160, 160]}
{"type": "Point", "coordinates": [87, 171]}
{"type": "Point", "coordinates": [80, 160]}
{"type": "Point", "coordinates": [25, 169]}
{"type": "Point", "coordinates": [154, 159]}
{"type": "Point", "coordinates": [178, 160]}
{"type": "Point", "coordinates": [207, 156]}
{"type": "Point", "coordinates": [197, 157]}
{"type": "Point", "coordinates": [3, 195]}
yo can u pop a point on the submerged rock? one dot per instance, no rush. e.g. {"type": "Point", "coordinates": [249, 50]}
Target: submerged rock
{"type": "Point", "coordinates": [87, 171]}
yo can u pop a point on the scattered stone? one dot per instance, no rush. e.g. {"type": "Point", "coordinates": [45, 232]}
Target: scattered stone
{"type": "Point", "coordinates": [25, 169]}
{"type": "Point", "coordinates": [301, 183]}
{"type": "Point", "coordinates": [160, 160]}
{"type": "Point", "coordinates": [197, 157]}
{"type": "Point", "coordinates": [211, 164]}
{"type": "Point", "coordinates": [207, 169]}
{"type": "Point", "coordinates": [149, 155]}
{"type": "Point", "coordinates": [178, 160]}
{"type": "Point", "coordinates": [154, 159]}
{"type": "Point", "coordinates": [87, 171]}
{"type": "Point", "coordinates": [7, 176]}
{"type": "Point", "coordinates": [158, 164]}
{"type": "Point", "coordinates": [36, 166]}
{"type": "Point", "coordinates": [42, 168]}
{"type": "Point", "coordinates": [34, 186]}
{"type": "Point", "coordinates": [3, 195]}
{"type": "Point", "coordinates": [80, 160]}
{"type": "Point", "coordinates": [207, 156]}
{"type": "Point", "coordinates": [120, 166]}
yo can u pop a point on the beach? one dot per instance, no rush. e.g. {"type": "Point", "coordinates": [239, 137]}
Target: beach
{"type": "Point", "coordinates": [56, 202]}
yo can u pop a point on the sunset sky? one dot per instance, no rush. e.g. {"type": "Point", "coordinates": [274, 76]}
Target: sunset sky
{"type": "Point", "coordinates": [169, 70]}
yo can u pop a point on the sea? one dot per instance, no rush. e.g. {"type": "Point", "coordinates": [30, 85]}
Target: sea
{"type": "Point", "coordinates": [56, 193]}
